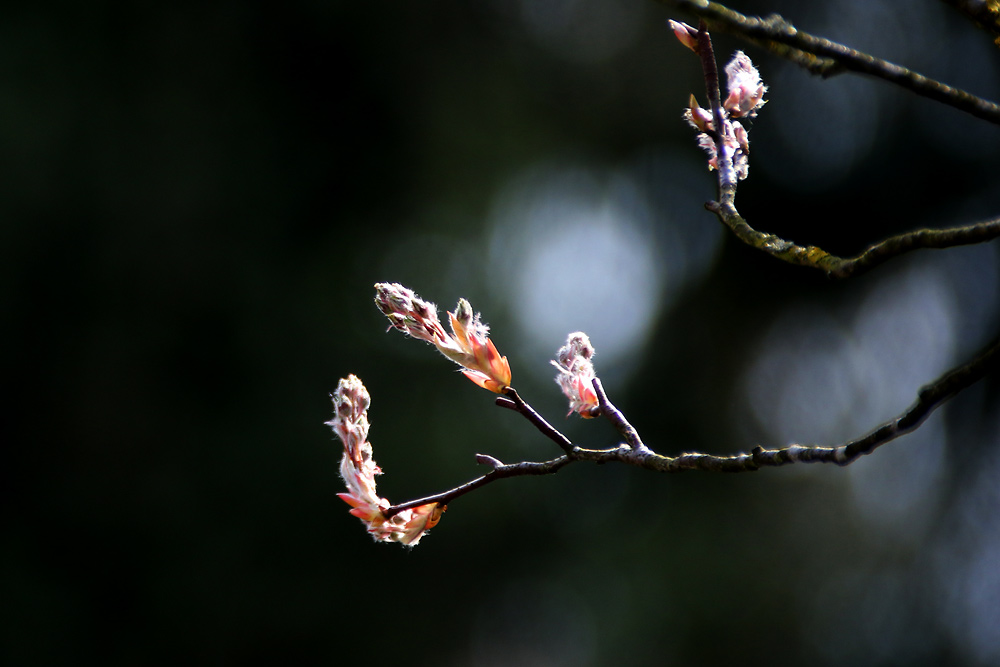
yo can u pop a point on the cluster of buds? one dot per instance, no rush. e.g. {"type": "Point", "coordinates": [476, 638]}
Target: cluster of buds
{"type": "Point", "coordinates": [745, 97]}
{"type": "Point", "coordinates": [576, 374]}
{"type": "Point", "coordinates": [358, 468]}
{"type": "Point", "coordinates": [468, 344]}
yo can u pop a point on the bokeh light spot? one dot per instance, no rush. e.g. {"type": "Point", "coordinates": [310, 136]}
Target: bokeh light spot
{"type": "Point", "coordinates": [572, 251]}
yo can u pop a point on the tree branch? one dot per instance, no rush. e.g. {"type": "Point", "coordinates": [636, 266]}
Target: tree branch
{"type": "Point", "coordinates": [820, 56]}
{"type": "Point", "coordinates": [810, 256]}
{"type": "Point", "coordinates": [710, 69]}
{"type": "Point", "coordinates": [501, 471]}
{"type": "Point", "coordinates": [845, 267]}
{"type": "Point", "coordinates": [827, 58]}
{"type": "Point", "coordinates": [929, 398]}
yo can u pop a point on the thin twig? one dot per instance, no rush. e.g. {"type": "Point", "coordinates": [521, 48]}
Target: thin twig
{"type": "Point", "coordinates": [512, 401]}
{"type": "Point", "coordinates": [929, 398]}
{"type": "Point", "coordinates": [710, 69]}
{"type": "Point", "coordinates": [845, 267]}
{"type": "Point", "coordinates": [616, 417]}
{"type": "Point", "coordinates": [825, 57]}
{"type": "Point", "coordinates": [501, 472]}
{"type": "Point", "coordinates": [787, 251]}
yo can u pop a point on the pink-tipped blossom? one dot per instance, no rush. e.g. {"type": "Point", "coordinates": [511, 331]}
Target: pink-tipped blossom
{"type": "Point", "coordinates": [468, 344]}
{"type": "Point", "coordinates": [730, 143]}
{"type": "Point", "coordinates": [358, 469]}
{"type": "Point", "coordinates": [746, 90]}
{"type": "Point", "coordinates": [576, 374]}
{"type": "Point", "coordinates": [686, 35]}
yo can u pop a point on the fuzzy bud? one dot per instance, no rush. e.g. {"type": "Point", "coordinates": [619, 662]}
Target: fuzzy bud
{"type": "Point", "coordinates": [576, 374]}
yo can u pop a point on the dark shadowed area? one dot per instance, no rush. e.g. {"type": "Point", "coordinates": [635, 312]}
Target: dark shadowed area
{"type": "Point", "coordinates": [197, 199]}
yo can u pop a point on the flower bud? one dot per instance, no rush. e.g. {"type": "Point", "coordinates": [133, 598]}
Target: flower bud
{"type": "Point", "coordinates": [686, 35]}
{"type": "Point", "coordinates": [746, 90]}
{"type": "Point", "coordinates": [697, 117]}
{"type": "Point", "coordinates": [576, 374]}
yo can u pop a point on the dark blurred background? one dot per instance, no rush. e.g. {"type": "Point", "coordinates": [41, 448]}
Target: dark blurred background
{"type": "Point", "coordinates": [196, 199]}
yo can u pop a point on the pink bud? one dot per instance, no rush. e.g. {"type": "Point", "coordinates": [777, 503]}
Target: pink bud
{"type": "Point", "coordinates": [697, 117]}
{"type": "Point", "coordinates": [468, 343]}
{"type": "Point", "coordinates": [358, 470]}
{"type": "Point", "coordinates": [686, 35]}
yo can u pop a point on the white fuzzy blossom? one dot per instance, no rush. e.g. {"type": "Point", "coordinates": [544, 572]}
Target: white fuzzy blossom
{"type": "Point", "coordinates": [745, 97]}
{"type": "Point", "coordinates": [576, 374]}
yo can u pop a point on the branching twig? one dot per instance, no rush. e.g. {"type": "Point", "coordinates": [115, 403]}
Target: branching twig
{"type": "Point", "coordinates": [929, 398]}
{"type": "Point", "coordinates": [725, 140]}
{"type": "Point", "coordinates": [500, 472]}
{"type": "Point", "coordinates": [616, 417]}
{"type": "Point", "coordinates": [825, 57]}
{"type": "Point", "coordinates": [811, 256]}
